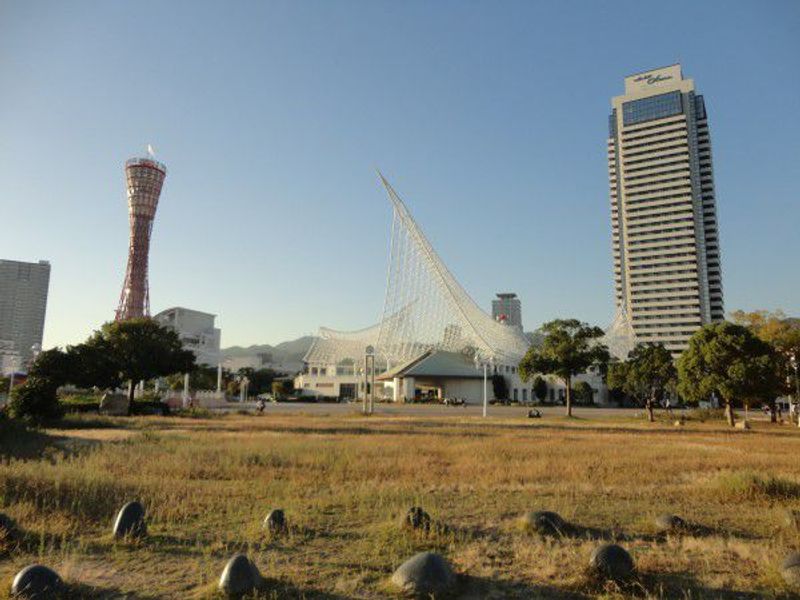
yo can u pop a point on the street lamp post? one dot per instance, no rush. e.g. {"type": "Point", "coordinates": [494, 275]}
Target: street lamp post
{"type": "Point", "coordinates": [369, 380]}
{"type": "Point", "coordinates": [485, 364]}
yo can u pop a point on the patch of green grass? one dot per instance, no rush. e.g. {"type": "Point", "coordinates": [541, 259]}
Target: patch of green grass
{"type": "Point", "coordinates": [749, 484]}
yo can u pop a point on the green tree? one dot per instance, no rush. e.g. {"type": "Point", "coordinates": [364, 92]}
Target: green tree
{"type": "Point", "coordinates": [540, 388]}
{"type": "Point", "coordinates": [570, 347]}
{"type": "Point", "coordinates": [136, 349]}
{"type": "Point", "coordinates": [729, 360]}
{"type": "Point", "coordinates": [93, 364]}
{"type": "Point", "coordinates": [281, 389]}
{"type": "Point", "coordinates": [54, 365]}
{"type": "Point", "coordinates": [646, 376]}
{"type": "Point", "coordinates": [584, 392]}
{"type": "Point", "coordinates": [202, 378]}
{"type": "Point", "coordinates": [499, 387]}
{"type": "Point", "coordinates": [783, 334]}
{"type": "Point", "coordinates": [35, 401]}
{"type": "Point", "coordinates": [260, 379]}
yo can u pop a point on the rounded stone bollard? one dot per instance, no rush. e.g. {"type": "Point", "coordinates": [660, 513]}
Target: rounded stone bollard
{"type": "Point", "coordinates": [671, 524]}
{"type": "Point", "coordinates": [612, 562]}
{"type": "Point", "coordinates": [417, 518]}
{"type": "Point", "coordinates": [425, 574]}
{"type": "Point", "coordinates": [240, 577]}
{"type": "Point", "coordinates": [543, 522]}
{"type": "Point", "coordinates": [790, 570]}
{"type": "Point", "coordinates": [130, 521]}
{"type": "Point", "coordinates": [36, 582]}
{"type": "Point", "coordinates": [275, 521]}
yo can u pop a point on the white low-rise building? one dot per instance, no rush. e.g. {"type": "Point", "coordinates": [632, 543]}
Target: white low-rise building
{"type": "Point", "coordinates": [197, 332]}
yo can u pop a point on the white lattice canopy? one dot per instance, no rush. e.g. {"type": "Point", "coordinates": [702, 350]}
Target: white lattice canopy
{"type": "Point", "coordinates": [620, 337]}
{"type": "Point", "coordinates": [425, 308]}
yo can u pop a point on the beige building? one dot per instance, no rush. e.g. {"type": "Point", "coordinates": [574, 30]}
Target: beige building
{"type": "Point", "coordinates": [665, 239]}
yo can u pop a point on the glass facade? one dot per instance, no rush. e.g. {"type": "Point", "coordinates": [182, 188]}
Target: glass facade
{"type": "Point", "coordinates": [654, 107]}
{"type": "Point", "coordinates": [612, 124]}
{"type": "Point", "coordinates": [700, 107]}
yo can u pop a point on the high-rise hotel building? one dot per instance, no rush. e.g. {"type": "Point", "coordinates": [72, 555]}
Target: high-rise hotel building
{"type": "Point", "coordinates": [23, 302]}
{"type": "Point", "coordinates": [665, 239]}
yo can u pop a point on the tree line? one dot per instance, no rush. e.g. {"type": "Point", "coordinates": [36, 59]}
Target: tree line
{"type": "Point", "coordinates": [752, 359]}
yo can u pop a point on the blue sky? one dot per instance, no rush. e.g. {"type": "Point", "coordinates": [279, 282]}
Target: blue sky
{"type": "Point", "coordinates": [489, 118]}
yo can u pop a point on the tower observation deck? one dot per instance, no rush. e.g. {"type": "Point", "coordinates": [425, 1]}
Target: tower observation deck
{"type": "Point", "coordinates": [144, 179]}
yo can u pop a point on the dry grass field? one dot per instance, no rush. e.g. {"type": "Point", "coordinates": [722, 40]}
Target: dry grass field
{"type": "Point", "coordinates": [345, 480]}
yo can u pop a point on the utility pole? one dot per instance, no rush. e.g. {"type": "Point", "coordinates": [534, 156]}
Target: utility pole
{"type": "Point", "coordinates": [369, 380]}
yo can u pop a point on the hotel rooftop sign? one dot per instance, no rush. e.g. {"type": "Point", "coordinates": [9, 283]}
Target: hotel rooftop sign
{"type": "Point", "coordinates": [653, 79]}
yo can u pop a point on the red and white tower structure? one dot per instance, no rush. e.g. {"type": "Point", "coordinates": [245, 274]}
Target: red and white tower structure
{"type": "Point", "coordinates": [144, 177]}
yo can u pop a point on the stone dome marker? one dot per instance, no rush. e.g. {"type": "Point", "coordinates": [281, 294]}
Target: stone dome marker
{"type": "Point", "coordinates": [275, 521]}
{"type": "Point", "coordinates": [612, 562]}
{"type": "Point", "coordinates": [671, 524]}
{"type": "Point", "coordinates": [36, 582]}
{"type": "Point", "coordinates": [543, 522]}
{"type": "Point", "coordinates": [790, 570]}
{"type": "Point", "coordinates": [424, 574]}
{"type": "Point", "coordinates": [130, 521]}
{"type": "Point", "coordinates": [240, 577]}
{"type": "Point", "coordinates": [417, 518]}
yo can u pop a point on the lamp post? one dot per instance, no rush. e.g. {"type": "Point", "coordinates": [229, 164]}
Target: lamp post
{"type": "Point", "coordinates": [485, 364]}
{"type": "Point", "coordinates": [369, 380]}
{"type": "Point", "coordinates": [185, 396]}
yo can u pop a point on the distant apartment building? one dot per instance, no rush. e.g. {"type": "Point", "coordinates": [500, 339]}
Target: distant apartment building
{"type": "Point", "coordinates": [23, 303]}
{"type": "Point", "coordinates": [197, 332]}
{"type": "Point", "coordinates": [507, 309]}
{"type": "Point", "coordinates": [667, 271]}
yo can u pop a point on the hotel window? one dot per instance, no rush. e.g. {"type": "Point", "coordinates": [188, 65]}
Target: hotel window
{"type": "Point", "coordinates": [654, 107]}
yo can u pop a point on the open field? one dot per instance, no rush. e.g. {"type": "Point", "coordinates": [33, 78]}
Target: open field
{"type": "Point", "coordinates": [344, 481]}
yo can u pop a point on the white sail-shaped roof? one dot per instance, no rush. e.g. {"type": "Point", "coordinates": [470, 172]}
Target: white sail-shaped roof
{"type": "Point", "coordinates": [439, 314]}
{"type": "Point", "coordinates": [620, 338]}
{"type": "Point", "coordinates": [425, 308]}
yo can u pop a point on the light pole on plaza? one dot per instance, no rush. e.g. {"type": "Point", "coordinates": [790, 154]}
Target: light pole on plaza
{"type": "Point", "coordinates": [369, 380]}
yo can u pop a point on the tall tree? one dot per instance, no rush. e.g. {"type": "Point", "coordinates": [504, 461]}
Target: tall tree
{"type": "Point", "coordinates": [499, 387]}
{"type": "Point", "coordinates": [570, 347]}
{"type": "Point", "coordinates": [138, 349]}
{"type": "Point", "coordinates": [583, 392]}
{"type": "Point", "coordinates": [729, 360]}
{"type": "Point", "coordinates": [647, 374]}
{"type": "Point", "coordinates": [784, 335]}
{"type": "Point", "coordinates": [540, 388]}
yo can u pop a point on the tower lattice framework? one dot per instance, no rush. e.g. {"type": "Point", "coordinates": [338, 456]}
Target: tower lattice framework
{"type": "Point", "coordinates": [144, 178]}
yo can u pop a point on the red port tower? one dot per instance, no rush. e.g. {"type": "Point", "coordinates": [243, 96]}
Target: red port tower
{"type": "Point", "coordinates": [144, 178]}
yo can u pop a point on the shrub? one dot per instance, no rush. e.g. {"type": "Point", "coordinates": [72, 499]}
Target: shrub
{"type": "Point", "coordinates": [80, 407]}
{"type": "Point", "coordinates": [584, 392]}
{"type": "Point", "coordinates": [500, 387]}
{"type": "Point", "coordinates": [35, 401]}
{"type": "Point", "coordinates": [150, 407]}
{"type": "Point", "coordinates": [540, 388]}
